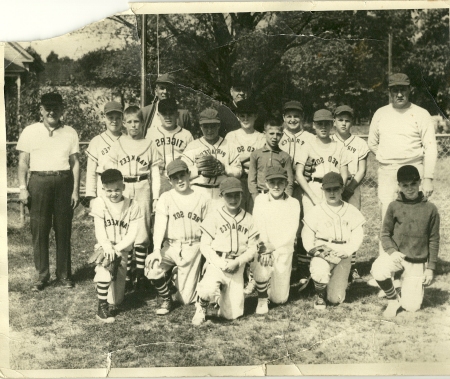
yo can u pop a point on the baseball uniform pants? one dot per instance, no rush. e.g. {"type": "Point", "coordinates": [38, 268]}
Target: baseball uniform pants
{"type": "Point", "coordinates": [186, 257]}
{"type": "Point", "coordinates": [231, 300]}
{"type": "Point", "coordinates": [307, 204]}
{"type": "Point", "coordinates": [334, 276]}
{"type": "Point", "coordinates": [116, 290]}
{"type": "Point", "coordinates": [51, 206]}
{"type": "Point", "coordinates": [412, 279]}
{"type": "Point", "coordinates": [278, 275]}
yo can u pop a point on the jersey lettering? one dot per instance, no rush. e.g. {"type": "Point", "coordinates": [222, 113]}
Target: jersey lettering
{"type": "Point", "coordinates": [112, 222]}
{"type": "Point", "coordinates": [169, 141]}
{"type": "Point", "coordinates": [132, 158]}
{"type": "Point", "coordinates": [291, 140]}
{"type": "Point", "coordinates": [352, 149]}
{"type": "Point", "coordinates": [194, 217]}
{"type": "Point", "coordinates": [239, 228]}
{"type": "Point", "coordinates": [331, 160]}
{"type": "Point", "coordinates": [178, 215]}
{"type": "Point", "coordinates": [214, 152]}
{"type": "Point", "coordinates": [105, 150]}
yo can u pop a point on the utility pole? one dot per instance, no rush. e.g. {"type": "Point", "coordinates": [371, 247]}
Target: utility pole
{"type": "Point", "coordinates": [144, 61]}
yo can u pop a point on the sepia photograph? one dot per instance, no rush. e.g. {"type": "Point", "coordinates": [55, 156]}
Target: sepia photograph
{"type": "Point", "coordinates": [230, 189]}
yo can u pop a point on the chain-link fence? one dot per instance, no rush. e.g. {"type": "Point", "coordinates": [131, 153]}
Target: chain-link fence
{"type": "Point", "coordinates": [370, 208]}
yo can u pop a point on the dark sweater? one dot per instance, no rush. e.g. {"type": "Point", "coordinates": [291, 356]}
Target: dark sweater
{"type": "Point", "coordinates": [412, 227]}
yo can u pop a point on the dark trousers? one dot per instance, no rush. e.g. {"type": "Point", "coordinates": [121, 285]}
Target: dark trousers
{"type": "Point", "coordinates": [51, 206]}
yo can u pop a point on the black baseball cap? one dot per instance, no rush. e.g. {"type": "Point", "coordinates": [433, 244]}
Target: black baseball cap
{"type": "Point", "coordinates": [407, 173]}
{"type": "Point", "coordinates": [343, 109]}
{"type": "Point", "coordinates": [273, 172]}
{"type": "Point", "coordinates": [175, 166]}
{"type": "Point", "coordinates": [246, 106]}
{"type": "Point", "coordinates": [51, 98]}
{"type": "Point", "coordinates": [230, 184]}
{"type": "Point", "coordinates": [332, 179]}
{"type": "Point", "coordinates": [167, 106]}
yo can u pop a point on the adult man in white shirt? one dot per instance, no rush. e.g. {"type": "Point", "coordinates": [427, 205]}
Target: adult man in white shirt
{"type": "Point", "coordinates": [402, 133]}
{"type": "Point", "coordinates": [49, 149]}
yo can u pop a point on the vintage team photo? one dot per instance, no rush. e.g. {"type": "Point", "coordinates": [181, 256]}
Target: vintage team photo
{"type": "Point", "coordinates": [230, 189]}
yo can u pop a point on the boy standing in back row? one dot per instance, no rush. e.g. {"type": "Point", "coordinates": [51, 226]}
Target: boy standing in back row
{"type": "Point", "coordinates": [357, 147]}
{"type": "Point", "coordinates": [139, 162]}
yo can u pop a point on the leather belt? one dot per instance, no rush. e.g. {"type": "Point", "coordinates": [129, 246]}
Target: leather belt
{"type": "Point", "coordinates": [206, 185]}
{"type": "Point", "coordinates": [51, 173]}
{"type": "Point", "coordinates": [332, 241]}
{"type": "Point", "coordinates": [135, 179]}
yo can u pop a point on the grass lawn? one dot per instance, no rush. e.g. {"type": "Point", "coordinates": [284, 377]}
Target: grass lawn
{"type": "Point", "coordinates": [57, 328]}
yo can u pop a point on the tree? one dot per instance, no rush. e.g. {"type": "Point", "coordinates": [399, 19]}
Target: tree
{"type": "Point", "coordinates": [52, 57]}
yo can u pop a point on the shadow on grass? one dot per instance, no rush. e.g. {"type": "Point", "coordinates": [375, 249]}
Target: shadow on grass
{"type": "Point", "coordinates": [84, 273]}
{"type": "Point", "coordinates": [434, 297]}
{"type": "Point", "coordinates": [442, 267]}
{"type": "Point", "coordinates": [365, 267]}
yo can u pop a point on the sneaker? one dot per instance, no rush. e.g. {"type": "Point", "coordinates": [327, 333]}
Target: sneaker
{"type": "Point", "coordinates": [263, 306]}
{"type": "Point", "coordinates": [199, 317]}
{"type": "Point", "coordinates": [381, 294]}
{"type": "Point", "coordinates": [373, 283]}
{"type": "Point", "coordinates": [354, 276]}
{"type": "Point", "coordinates": [39, 286]}
{"type": "Point", "coordinates": [66, 283]}
{"type": "Point", "coordinates": [392, 308]}
{"type": "Point", "coordinates": [319, 303]}
{"type": "Point", "coordinates": [113, 310]}
{"type": "Point", "coordinates": [250, 287]}
{"type": "Point", "coordinates": [165, 307]}
{"type": "Point", "coordinates": [103, 313]}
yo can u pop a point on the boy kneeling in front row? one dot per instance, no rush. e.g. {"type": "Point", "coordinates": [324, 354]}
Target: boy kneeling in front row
{"type": "Point", "coordinates": [410, 237]}
{"type": "Point", "coordinates": [332, 232]}
{"type": "Point", "coordinates": [276, 216]}
{"type": "Point", "coordinates": [228, 242]}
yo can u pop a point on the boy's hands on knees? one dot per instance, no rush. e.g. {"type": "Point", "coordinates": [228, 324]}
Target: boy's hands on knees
{"type": "Point", "coordinates": [397, 257]}
{"type": "Point", "coordinates": [428, 277]}
{"type": "Point", "coordinates": [265, 259]}
{"type": "Point", "coordinates": [231, 266]}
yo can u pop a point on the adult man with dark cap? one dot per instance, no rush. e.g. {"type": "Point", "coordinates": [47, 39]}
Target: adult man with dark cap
{"type": "Point", "coordinates": [402, 133]}
{"type": "Point", "coordinates": [227, 112]}
{"type": "Point", "coordinates": [49, 150]}
{"type": "Point", "coordinates": [164, 89]}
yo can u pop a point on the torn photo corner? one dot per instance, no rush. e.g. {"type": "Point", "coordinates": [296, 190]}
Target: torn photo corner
{"type": "Point", "coordinates": [209, 56]}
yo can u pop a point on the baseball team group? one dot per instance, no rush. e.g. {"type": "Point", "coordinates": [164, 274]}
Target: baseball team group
{"type": "Point", "coordinates": [255, 204]}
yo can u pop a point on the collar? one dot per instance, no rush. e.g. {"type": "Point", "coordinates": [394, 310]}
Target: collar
{"type": "Point", "coordinates": [345, 142]}
{"type": "Point", "coordinates": [287, 131]}
{"type": "Point", "coordinates": [50, 131]}
{"type": "Point", "coordinates": [267, 148]}
{"type": "Point", "coordinates": [419, 199]}
{"type": "Point", "coordinates": [283, 197]}
{"type": "Point", "coordinates": [163, 131]}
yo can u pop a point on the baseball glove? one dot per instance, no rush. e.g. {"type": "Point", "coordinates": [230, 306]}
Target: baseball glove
{"type": "Point", "coordinates": [325, 252]}
{"type": "Point", "coordinates": [98, 258]}
{"type": "Point", "coordinates": [208, 166]}
{"type": "Point", "coordinates": [309, 169]}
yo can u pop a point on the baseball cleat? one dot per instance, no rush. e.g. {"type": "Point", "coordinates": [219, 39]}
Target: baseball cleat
{"type": "Point", "coordinates": [263, 306]}
{"type": "Point", "coordinates": [354, 276]}
{"type": "Point", "coordinates": [103, 313]}
{"type": "Point", "coordinates": [39, 286]}
{"type": "Point", "coordinates": [66, 283]}
{"type": "Point", "coordinates": [165, 308]}
{"type": "Point", "coordinates": [392, 308]}
{"type": "Point", "coordinates": [250, 287]}
{"type": "Point", "coordinates": [319, 302]}
{"type": "Point", "coordinates": [199, 317]}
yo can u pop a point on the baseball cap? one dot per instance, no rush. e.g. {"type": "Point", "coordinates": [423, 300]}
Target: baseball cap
{"type": "Point", "coordinates": [230, 185]}
{"type": "Point", "coordinates": [113, 106]}
{"type": "Point", "coordinates": [343, 109]}
{"type": "Point", "coordinates": [166, 106]}
{"type": "Point", "coordinates": [246, 106]}
{"type": "Point", "coordinates": [273, 172]}
{"type": "Point", "coordinates": [238, 82]}
{"type": "Point", "coordinates": [407, 173]}
{"type": "Point", "coordinates": [332, 179]}
{"type": "Point", "coordinates": [111, 175]}
{"type": "Point", "coordinates": [398, 80]}
{"type": "Point", "coordinates": [175, 166]}
{"type": "Point", "coordinates": [165, 78]}
{"type": "Point", "coordinates": [209, 116]}
{"type": "Point", "coordinates": [51, 98]}
{"type": "Point", "coordinates": [323, 115]}
{"type": "Point", "coordinates": [293, 105]}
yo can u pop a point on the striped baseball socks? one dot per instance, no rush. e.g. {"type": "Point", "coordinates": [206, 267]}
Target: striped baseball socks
{"type": "Point", "coordinates": [162, 288]}
{"type": "Point", "coordinates": [261, 288]}
{"type": "Point", "coordinates": [387, 286]}
{"type": "Point", "coordinates": [102, 290]}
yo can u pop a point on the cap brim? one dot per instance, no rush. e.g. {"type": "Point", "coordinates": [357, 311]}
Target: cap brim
{"type": "Point", "coordinates": [293, 108]}
{"type": "Point", "coordinates": [113, 110]}
{"type": "Point", "coordinates": [275, 176]}
{"type": "Point", "coordinates": [331, 185]}
{"type": "Point", "coordinates": [209, 122]}
{"type": "Point", "coordinates": [230, 190]}
{"type": "Point", "coordinates": [177, 170]}
{"type": "Point", "coordinates": [323, 119]}
{"type": "Point", "coordinates": [398, 84]}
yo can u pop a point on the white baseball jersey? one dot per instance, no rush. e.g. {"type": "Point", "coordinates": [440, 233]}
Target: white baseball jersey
{"type": "Point", "coordinates": [97, 151]}
{"type": "Point", "coordinates": [224, 151]}
{"type": "Point", "coordinates": [358, 149]}
{"type": "Point", "coordinates": [245, 143]}
{"type": "Point", "coordinates": [184, 213]}
{"type": "Point", "coordinates": [117, 217]}
{"type": "Point", "coordinates": [232, 235]}
{"type": "Point", "coordinates": [330, 226]}
{"type": "Point", "coordinates": [292, 143]}
{"type": "Point", "coordinates": [170, 143]}
{"type": "Point", "coordinates": [134, 157]}
{"type": "Point", "coordinates": [329, 157]}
